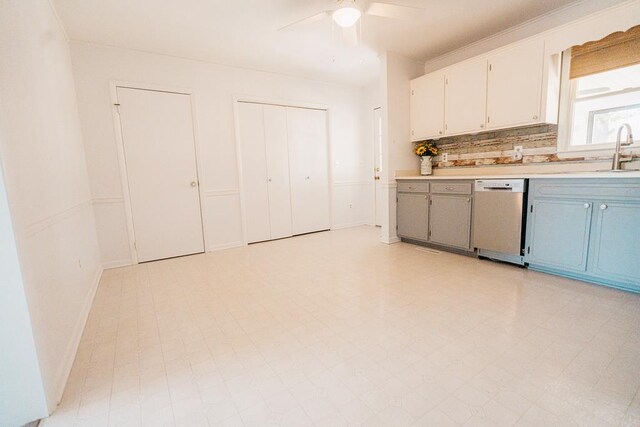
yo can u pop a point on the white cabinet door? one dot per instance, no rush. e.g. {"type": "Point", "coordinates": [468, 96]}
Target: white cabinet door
{"type": "Point", "coordinates": [515, 85]}
{"type": "Point", "coordinates": [427, 107]}
{"type": "Point", "coordinates": [308, 165]}
{"type": "Point", "coordinates": [254, 172]}
{"type": "Point", "coordinates": [159, 148]}
{"type": "Point", "coordinates": [277, 157]}
{"type": "Point", "coordinates": [466, 97]}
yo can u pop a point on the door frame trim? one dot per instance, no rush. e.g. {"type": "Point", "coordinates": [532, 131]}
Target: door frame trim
{"type": "Point", "coordinates": [375, 154]}
{"type": "Point", "coordinates": [124, 178]}
{"type": "Point", "coordinates": [280, 103]}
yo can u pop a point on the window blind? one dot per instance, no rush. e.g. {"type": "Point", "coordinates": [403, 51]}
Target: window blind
{"type": "Point", "coordinates": [617, 50]}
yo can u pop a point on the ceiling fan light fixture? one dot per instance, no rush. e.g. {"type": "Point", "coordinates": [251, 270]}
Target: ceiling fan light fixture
{"type": "Point", "coordinates": [346, 16]}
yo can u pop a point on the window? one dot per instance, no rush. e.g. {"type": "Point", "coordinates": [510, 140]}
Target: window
{"type": "Point", "coordinates": [600, 91]}
{"type": "Point", "coordinates": [602, 102]}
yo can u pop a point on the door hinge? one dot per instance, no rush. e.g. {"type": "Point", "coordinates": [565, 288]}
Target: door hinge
{"type": "Point", "coordinates": [430, 202]}
{"type": "Point", "coordinates": [488, 119]}
{"type": "Point", "coordinates": [117, 105]}
{"type": "Point", "coordinates": [446, 81]}
{"type": "Point", "coordinates": [412, 92]}
{"type": "Point", "coordinates": [135, 246]}
{"type": "Point", "coordinates": [528, 249]}
{"type": "Point", "coordinates": [429, 233]}
{"type": "Point", "coordinates": [489, 67]}
{"type": "Point", "coordinates": [531, 210]}
{"type": "Point", "coordinates": [446, 126]}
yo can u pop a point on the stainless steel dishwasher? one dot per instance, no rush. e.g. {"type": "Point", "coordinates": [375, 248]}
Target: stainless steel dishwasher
{"type": "Point", "coordinates": [498, 219]}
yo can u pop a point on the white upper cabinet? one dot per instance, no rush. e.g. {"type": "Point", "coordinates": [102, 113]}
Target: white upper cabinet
{"type": "Point", "coordinates": [515, 85]}
{"type": "Point", "coordinates": [466, 97]}
{"type": "Point", "coordinates": [427, 107]}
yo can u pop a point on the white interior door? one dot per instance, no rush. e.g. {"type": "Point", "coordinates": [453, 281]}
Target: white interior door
{"type": "Point", "coordinates": [159, 148]}
{"type": "Point", "coordinates": [377, 160]}
{"type": "Point", "coordinates": [277, 153]}
{"type": "Point", "coordinates": [308, 146]}
{"type": "Point", "coordinates": [254, 172]}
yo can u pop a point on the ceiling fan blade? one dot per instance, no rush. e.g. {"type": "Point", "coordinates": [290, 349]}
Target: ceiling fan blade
{"type": "Point", "coordinates": [395, 11]}
{"type": "Point", "coordinates": [350, 36]}
{"type": "Point", "coordinates": [307, 20]}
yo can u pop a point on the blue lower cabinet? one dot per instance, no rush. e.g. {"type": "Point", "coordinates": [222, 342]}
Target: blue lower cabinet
{"type": "Point", "coordinates": [615, 248]}
{"type": "Point", "coordinates": [559, 234]}
{"type": "Point", "coordinates": [586, 229]}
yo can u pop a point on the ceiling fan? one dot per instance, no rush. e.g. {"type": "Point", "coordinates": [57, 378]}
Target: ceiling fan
{"type": "Point", "coordinates": [347, 13]}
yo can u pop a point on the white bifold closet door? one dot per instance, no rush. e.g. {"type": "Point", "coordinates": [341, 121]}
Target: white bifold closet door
{"type": "Point", "coordinates": [160, 157]}
{"type": "Point", "coordinates": [284, 170]}
{"type": "Point", "coordinates": [308, 169]}
{"type": "Point", "coordinates": [265, 171]}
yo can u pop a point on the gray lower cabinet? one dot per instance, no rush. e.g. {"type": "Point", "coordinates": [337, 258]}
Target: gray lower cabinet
{"type": "Point", "coordinates": [587, 229]}
{"type": "Point", "coordinates": [560, 233]}
{"type": "Point", "coordinates": [413, 216]}
{"type": "Point", "coordinates": [436, 212]}
{"type": "Point", "coordinates": [450, 222]}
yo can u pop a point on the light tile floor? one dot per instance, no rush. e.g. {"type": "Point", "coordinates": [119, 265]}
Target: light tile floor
{"type": "Point", "coordinates": [337, 329]}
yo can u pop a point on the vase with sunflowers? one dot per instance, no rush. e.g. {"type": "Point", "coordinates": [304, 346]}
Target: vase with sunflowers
{"type": "Point", "coordinates": [425, 150]}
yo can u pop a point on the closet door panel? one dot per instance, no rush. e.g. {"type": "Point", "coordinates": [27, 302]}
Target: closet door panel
{"type": "Point", "coordinates": [308, 155]}
{"type": "Point", "coordinates": [254, 172]}
{"type": "Point", "coordinates": [277, 154]}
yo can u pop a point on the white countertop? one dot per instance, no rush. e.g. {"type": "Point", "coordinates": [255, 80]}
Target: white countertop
{"type": "Point", "coordinates": [626, 174]}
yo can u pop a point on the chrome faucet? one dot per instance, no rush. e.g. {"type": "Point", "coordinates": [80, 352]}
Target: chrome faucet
{"type": "Point", "coordinates": [617, 156]}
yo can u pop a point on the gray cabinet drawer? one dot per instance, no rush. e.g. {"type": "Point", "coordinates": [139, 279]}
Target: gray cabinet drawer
{"type": "Point", "coordinates": [451, 188]}
{"type": "Point", "coordinates": [413, 187]}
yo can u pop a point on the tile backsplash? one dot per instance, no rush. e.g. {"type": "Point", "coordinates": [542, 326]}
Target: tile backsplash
{"type": "Point", "coordinates": [539, 145]}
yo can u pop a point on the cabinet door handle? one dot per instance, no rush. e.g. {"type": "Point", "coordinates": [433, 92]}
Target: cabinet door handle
{"type": "Point", "coordinates": [535, 117]}
{"type": "Point", "coordinates": [603, 207]}
{"type": "Point", "coordinates": [587, 205]}
{"type": "Point", "coordinates": [481, 126]}
{"type": "Point", "coordinates": [448, 188]}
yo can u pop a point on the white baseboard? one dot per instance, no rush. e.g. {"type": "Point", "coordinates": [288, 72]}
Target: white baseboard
{"type": "Point", "coordinates": [116, 264]}
{"type": "Point", "coordinates": [390, 241]}
{"type": "Point", "coordinates": [223, 246]}
{"type": "Point", "coordinates": [74, 343]}
{"type": "Point", "coordinates": [349, 225]}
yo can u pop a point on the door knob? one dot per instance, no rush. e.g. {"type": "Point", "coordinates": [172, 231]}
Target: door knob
{"type": "Point", "coordinates": [587, 205]}
{"type": "Point", "coordinates": [307, 178]}
{"type": "Point", "coordinates": [603, 206]}
{"type": "Point", "coordinates": [194, 183]}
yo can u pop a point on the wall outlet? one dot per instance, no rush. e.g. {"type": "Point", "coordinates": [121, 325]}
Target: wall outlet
{"type": "Point", "coordinates": [517, 153]}
{"type": "Point", "coordinates": [445, 157]}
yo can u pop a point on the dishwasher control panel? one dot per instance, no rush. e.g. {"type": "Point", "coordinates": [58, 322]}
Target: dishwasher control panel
{"type": "Point", "coordinates": [507, 185]}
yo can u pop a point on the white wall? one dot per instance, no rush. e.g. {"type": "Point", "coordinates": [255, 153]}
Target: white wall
{"type": "Point", "coordinates": [214, 87]}
{"type": "Point", "coordinates": [396, 74]}
{"type": "Point", "coordinates": [47, 184]}
{"type": "Point", "coordinates": [22, 397]}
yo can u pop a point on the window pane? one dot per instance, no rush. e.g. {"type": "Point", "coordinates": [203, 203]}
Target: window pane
{"type": "Point", "coordinates": [602, 103]}
{"type": "Point", "coordinates": [605, 123]}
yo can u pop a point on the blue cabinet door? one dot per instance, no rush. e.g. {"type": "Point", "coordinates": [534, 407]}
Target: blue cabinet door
{"type": "Point", "coordinates": [615, 244]}
{"type": "Point", "coordinates": [558, 234]}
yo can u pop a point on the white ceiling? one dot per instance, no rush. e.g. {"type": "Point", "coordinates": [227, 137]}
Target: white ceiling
{"type": "Point", "coordinates": [244, 32]}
